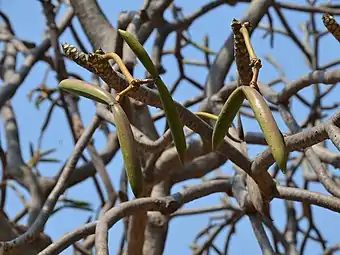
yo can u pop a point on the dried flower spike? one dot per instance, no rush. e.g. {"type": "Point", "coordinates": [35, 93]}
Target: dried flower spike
{"type": "Point", "coordinates": [332, 26]}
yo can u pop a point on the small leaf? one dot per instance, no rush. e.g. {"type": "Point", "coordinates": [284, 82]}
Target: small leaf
{"type": "Point", "coordinates": [71, 206]}
{"type": "Point", "coordinates": [72, 203]}
{"type": "Point", "coordinates": [87, 90]}
{"type": "Point", "coordinates": [268, 125]}
{"type": "Point", "coordinates": [38, 102]}
{"type": "Point", "coordinates": [47, 152]}
{"type": "Point", "coordinates": [57, 209]}
{"type": "Point", "coordinates": [31, 149]}
{"type": "Point", "coordinates": [226, 117]}
{"type": "Point", "coordinates": [49, 160]}
{"type": "Point", "coordinates": [79, 203]}
{"type": "Point", "coordinates": [129, 150]}
{"type": "Point", "coordinates": [204, 49]}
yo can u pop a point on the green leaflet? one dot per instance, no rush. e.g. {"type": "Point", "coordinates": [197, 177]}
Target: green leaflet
{"type": "Point", "coordinates": [226, 116]}
{"type": "Point", "coordinates": [268, 126]}
{"type": "Point", "coordinates": [169, 107]}
{"type": "Point", "coordinates": [129, 150]}
{"type": "Point", "coordinates": [82, 88]}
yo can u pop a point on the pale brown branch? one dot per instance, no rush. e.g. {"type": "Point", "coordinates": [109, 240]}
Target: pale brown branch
{"type": "Point", "coordinates": [9, 88]}
{"type": "Point", "coordinates": [325, 77]}
{"type": "Point", "coordinates": [315, 198]}
{"type": "Point", "coordinates": [48, 207]}
{"type": "Point", "coordinates": [261, 235]}
{"type": "Point", "coordinates": [165, 205]}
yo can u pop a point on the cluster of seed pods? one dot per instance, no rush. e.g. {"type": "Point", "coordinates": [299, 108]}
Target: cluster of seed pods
{"type": "Point", "coordinates": [125, 135]}
{"type": "Point", "coordinates": [246, 59]}
{"type": "Point", "coordinates": [263, 116]}
{"type": "Point", "coordinates": [132, 165]}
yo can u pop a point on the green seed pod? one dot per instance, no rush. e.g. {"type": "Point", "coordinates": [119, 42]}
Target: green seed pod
{"type": "Point", "coordinates": [140, 52]}
{"type": "Point", "coordinates": [82, 88]}
{"type": "Point", "coordinates": [124, 132]}
{"type": "Point", "coordinates": [226, 117]}
{"type": "Point", "coordinates": [129, 150]}
{"type": "Point", "coordinates": [207, 115]}
{"type": "Point", "coordinates": [168, 104]}
{"type": "Point", "coordinates": [173, 119]}
{"type": "Point", "coordinates": [268, 126]}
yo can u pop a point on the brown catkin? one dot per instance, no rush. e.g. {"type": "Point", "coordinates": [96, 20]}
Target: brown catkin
{"type": "Point", "coordinates": [241, 54]}
{"type": "Point", "coordinates": [74, 54]}
{"type": "Point", "coordinates": [332, 26]}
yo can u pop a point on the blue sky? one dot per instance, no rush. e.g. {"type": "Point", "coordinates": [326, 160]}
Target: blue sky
{"type": "Point", "coordinates": [30, 25]}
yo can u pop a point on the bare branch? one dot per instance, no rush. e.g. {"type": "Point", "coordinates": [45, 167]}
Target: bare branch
{"type": "Point", "coordinates": [9, 88]}
{"type": "Point", "coordinates": [261, 235]}
{"type": "Point", "coordinates": [40, 221]}
{"type": "Point", "coordinates": [166, 205]}
{"type": "Point", "coordinates": [314, 198]}
{"type": "Point", "coordinates": [224, 59]}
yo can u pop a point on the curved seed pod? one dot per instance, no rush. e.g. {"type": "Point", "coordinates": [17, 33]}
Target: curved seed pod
{"type": "Point", "coordinates": [226, 116]}
{"type": "Point", "coordinates": [129, 150]}
{"type": "Point", "coordinates": [173, 119]}
{"type": "Point", "coordinates": [140, 52]}
{"type": "Point", "coordinates": [207, 115]}
{"type": "Point", "coordinates": [268, 126]}
{"type": "Point", "coordinates": [332, 26]}
{"type": "Point", "coordinates": [168, 104]}
{"type": "Point", "coordinates": [82, 88]}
